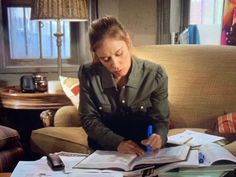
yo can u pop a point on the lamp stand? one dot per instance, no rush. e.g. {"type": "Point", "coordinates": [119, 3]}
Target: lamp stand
{"type": "Point", "coordinates": [58, 35]}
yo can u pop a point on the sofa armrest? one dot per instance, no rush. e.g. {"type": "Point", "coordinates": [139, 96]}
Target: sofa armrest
{"type": "Point", "coordinates": [231, 147]}
{"type": "Point", "coordinates": [9, 138]}
{"type": "Point", "coordinates": [11, 150]}
{"type": "Point", "coordinates": [67, 116]}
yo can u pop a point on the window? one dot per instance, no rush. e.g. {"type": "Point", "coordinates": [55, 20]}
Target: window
{"type": "Point", "coordinates": [207, 15]}
{"type": "Point", "coordinates": [30, 44]}
{"type": "Point", "coordinates": [32, 39]}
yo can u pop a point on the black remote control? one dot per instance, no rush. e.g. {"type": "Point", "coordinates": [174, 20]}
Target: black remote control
{"type": "Point", "coordinates": [55, 162]}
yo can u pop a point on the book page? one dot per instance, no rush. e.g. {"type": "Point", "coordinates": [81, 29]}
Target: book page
{"type": "Point", "coordinates": [193, 138]}
{"type": "Point", "coordinates": [70, 159]}
{"type": "Point", "coordinates": [192, 161]}
{"type": "Point", "coordinates": [107, 159]}
{"type": "Point", "coordinates": [165, 155]}
{"type": "Point", "coordinates": [216, 154]}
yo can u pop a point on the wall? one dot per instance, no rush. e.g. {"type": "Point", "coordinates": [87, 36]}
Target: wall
{"type": "Point", "coordinates": [174, 15]}
{"type": "Point", "coordinates": [138, 16]}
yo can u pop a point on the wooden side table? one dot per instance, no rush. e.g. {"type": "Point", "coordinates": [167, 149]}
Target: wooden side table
{"type": "Point", "coordinates": [23, 110]}
{"type": "Point", "coordinates": [13, 98]}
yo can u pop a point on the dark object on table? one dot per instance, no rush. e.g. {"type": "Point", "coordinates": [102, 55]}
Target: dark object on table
{"type": "Point", "coordinates": [27, 84]}
{"type": "Point", "coordinates": [55, 162]}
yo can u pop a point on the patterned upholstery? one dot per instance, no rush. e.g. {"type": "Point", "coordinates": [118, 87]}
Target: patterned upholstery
{"type": "Point", "coordinates": [11, 150]}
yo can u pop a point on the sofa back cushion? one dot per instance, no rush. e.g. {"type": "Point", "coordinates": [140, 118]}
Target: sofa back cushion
{"type": "Point", "coordinates": [202, 81]}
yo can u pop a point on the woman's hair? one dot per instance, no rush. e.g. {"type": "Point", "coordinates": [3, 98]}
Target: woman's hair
{"type": "Point", "coordinates": [106, 27]}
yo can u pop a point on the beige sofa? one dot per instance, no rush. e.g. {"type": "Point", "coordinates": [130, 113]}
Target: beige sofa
{"type": "Point", "coordinates": [202, 86]}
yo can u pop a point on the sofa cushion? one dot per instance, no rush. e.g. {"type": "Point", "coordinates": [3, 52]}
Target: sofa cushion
{"type": "Point", "coordinates": [231, 147]}
{"type": "Point", "coordinates": [67, 116]}
{"type": "Point", "coordinates": [8, 138]}
{"type": "Point", "coordinates": [55, 139]}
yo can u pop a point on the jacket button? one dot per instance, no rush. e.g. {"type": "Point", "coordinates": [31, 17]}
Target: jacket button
{"type": "Point", "coordinates": [141, 107]}
{"type": "Point", "coordinates": [123, 101]}
{"type": "Point", "coordinates": [100, 108]}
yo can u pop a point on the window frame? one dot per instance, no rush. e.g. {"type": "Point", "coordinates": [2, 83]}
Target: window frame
{"type": "Point", "coordinates": [31, 65]}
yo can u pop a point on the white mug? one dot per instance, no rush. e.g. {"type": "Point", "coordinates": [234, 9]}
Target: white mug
{"type": "Point", "coordinates": [54, 87]}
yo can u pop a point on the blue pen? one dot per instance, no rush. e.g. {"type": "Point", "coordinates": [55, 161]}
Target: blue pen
{"type": "Point", "coordinates": [149, 133]}
{"type": "Point", "coordinates": [201, 157]}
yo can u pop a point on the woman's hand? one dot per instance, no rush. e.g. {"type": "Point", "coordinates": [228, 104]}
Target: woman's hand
{"type": "Point", "coordinates": [154, 141]}
{"type": "Point", "coordinates": [130, 147]}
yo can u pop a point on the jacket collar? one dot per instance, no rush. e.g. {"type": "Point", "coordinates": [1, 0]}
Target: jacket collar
{"type": "Point", "coordinates": [108, 81]}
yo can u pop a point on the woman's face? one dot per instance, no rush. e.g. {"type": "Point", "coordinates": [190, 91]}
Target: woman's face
{"type": "Point", "coordinates": [115, 55]}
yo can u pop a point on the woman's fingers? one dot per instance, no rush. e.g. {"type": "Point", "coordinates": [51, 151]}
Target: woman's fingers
{"type": "Point", "coordinates": [154, 141]}
{"type": "Point", "coordinates": [130, 147]}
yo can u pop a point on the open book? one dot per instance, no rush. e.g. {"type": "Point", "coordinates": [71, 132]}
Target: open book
{"type": "Point", "coordinates": [129, 162]}
{"type": "Point", "coordinates": [217, 158]}
{"type": "Point", "coordinates": [216, 154]}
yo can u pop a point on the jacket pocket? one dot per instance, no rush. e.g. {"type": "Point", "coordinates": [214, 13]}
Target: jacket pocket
{"type": "Point", "coordinates": [104, 109]}
{"type": "Point", "coordinates": [141, 106]}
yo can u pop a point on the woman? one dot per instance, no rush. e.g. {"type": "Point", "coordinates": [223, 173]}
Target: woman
{"type": "Point", "coordinates": [120, 95]}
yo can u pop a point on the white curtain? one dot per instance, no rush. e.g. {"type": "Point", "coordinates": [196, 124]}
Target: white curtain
{"type": "Point", "coordinates": [207, 15]}
{"type": "Point", "coordinates": [206, 12]}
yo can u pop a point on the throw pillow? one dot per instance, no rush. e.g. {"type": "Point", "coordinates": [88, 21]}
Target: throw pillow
{"type": "Point", "coordinates": [70, 87]}
{"type": "Point", "coordinates": [227, 123]}
{"type": "Point", "coordinates": [225, 126]}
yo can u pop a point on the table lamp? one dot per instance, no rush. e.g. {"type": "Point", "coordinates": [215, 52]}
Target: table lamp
{"type": "Point", "coordinates": [59, 10]}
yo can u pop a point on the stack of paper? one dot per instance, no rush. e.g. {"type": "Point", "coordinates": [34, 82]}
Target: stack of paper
{"type": "Point", "coordinates": [41, 168]}
{"type": "Point", "coordinates": [193, 138]}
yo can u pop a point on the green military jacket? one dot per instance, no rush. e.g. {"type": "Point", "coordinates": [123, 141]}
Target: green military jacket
{"type": "Point", "coordinates": [110, 115]}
